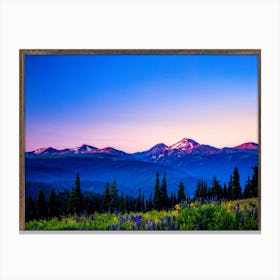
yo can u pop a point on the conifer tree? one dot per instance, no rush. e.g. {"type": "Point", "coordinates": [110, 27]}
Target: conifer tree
{"type": "Point", "coordinates": [114, 194]}
{"type": "Point", "coordinates": [181, 192]}
{"type": "Point", "coordinates": [143, 204]}
{"type": "Point", "coordinates": [138, 205]}
{"type": "Point", "coordinates": [236, 184]}
{"type": "Point", "coordinates": [225, 194]}
{"type": "Point", "coordinates": [30, 209]}
{"type": "Point", "coordinates": [202, 191]}
{"type": "Point", "coordinates": [127, 203]}
{"type": "Point", "coordinates": [216, 189]}
{"type": "Point", "coordinates": [122, 203]}
{"type": "Point", "coordinates": [255, 181]}
{"type": "Point", "coordinates": [75, 201]}
{"type": "Point", "coordinates": [230, 189]}
{"type": "Point", "coordinates": [157, 196]}
{"type": "Point", "coordinates": [150, 202]}
{"type": "Point", "coordinates": [53, 210]}
{"type": "Point", "coordinates": [163, 192]}
{"type": "Point", "coordinates": [248, 193]}
{"type": "Point", "coordinates": [42, 205]}
{"type": "Point", "coordinates": [62, 200]}
{"type": "Point", "coordinates": [106, 197]}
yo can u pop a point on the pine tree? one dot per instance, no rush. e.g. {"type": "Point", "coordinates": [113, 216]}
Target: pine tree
{"type": "Point", "coordinates": [143, 204]}
{"type": "Point", "coordinates": [255, 184]}
{"type": "Point", "coordinates": [106, 197]}
{"type": "Point", "coordinates": [230, 189]}
{"type": "Point", "coordinates": [53, 209]}
{"type": "Point", "coordinates": [122, 203]}
{"type": "Point", "coordinates": [163, 193]}
{"type": "Point", "coordinates": [62, 200]}
{"type": "Point", "coordinates": [150, 202]}
{"type": "Point", "coordinates": [30, 209]}
{"type": "Point", "coordinates": [225, 194]}
{"type": "Point", "coordinates": [75, 201]}
{"type": "Point", "coordinates": [157, 198]}
{"type": "Point", "coordinates": [172, 201]}
{"type": "Point", "coordinates": [114, 195]}
{"type": "Point", "coordinates": [181, 192]}
{"type": "Point", "coordinates": [248, 192]}
{"type": "Point", "coordinates": [127, 203]}
{"type": "Point", "coordinates": [236, 184]}
{"type": "Point", "coordinates": [138, 205]}
{"type": "Point", "coordinates": [42, 205]}
{"type": "Point", "coordinates": [216, 189]}
{"type": "Point", "coordinates": [202, 191]}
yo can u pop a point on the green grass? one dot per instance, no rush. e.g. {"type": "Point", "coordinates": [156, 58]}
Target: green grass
{"type": "Point", "coordinates": [227, 215]}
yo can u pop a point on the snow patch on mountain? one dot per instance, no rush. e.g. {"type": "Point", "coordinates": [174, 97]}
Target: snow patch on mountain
{"type": "Point", "coordinates": [45, 151]}
{"type": "Point", "coordinates": [247, 146]}
{"type": "Point", "coordinates": [184, 144]}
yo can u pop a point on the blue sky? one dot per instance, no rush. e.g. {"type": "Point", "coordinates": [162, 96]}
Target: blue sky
{"type": "Point", "coordinates": [132, 102]}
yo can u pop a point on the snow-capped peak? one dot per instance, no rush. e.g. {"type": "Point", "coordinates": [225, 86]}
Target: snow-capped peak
{"type": "Point", "coordinates": [184, 144]}
{"type": "Point", "coordinates": [247, 146]}
{"type": "Point", "coordinates": [39, 151]}
{"type": "Point", "coordinates": [84, 148]}
{"type": "Point", "coordinates": [44, 151]}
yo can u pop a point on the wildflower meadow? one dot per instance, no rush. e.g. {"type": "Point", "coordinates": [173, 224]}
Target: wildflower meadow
{"type": "Point", "coordinates": [198, 215]}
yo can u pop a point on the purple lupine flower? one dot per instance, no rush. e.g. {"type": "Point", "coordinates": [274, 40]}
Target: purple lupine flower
{"type": "Point", "coordinates": [168, 220]}
{"type": "Point", "coordinates": [121, 219]}
{"type": "Point", "coordinates": [138, 223]}
{"type": "Point", "coordinates": [150, 225]}
{"type": "Point", "coordinates": [174, 218]}
{"type": "Point", "coordinates": [116, 211]}
{"type": "Point", "coordinates": [172, 226]}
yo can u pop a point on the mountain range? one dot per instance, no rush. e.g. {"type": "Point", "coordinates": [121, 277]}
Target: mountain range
{"type": "Point", "coordinates": [184, 146]}
{"type": "Point", "coordinates": [186, 161]}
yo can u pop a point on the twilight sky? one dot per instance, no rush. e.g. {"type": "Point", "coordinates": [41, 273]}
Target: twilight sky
{"type": "Point", "coordinates": [132, 102]}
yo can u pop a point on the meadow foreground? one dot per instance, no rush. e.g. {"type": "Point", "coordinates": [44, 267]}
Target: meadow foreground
{"type": "Point", "coordinates": [197, 215]}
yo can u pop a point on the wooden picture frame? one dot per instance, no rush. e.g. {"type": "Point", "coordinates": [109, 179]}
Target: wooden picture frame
{"type": "Point", "coordinates": [177, 52]}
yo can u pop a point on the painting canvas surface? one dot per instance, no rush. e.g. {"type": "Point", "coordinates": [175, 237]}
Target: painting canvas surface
{"type": "Point", "coordinates": [140, 140]}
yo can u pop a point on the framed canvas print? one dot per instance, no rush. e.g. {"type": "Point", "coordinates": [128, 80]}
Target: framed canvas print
{"type": "Point", "coordinates": [140, 140]}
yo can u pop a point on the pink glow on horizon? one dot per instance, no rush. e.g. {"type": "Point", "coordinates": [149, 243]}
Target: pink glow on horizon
{"type": "Point", "coordinates": [127, 138]}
